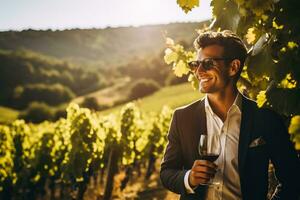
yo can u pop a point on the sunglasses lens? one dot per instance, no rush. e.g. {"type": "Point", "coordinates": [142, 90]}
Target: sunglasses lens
{"type": "Point", "coordinates": [193, 65]}
{"type": "Point", "coordinates": [207, 64]}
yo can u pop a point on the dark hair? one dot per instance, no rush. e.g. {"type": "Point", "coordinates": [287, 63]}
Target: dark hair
{"type": "Point", "coordinates": [233, 46]}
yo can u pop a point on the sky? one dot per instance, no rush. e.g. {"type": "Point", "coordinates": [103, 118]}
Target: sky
{"type": "Point", "coordinates": [68, 14]}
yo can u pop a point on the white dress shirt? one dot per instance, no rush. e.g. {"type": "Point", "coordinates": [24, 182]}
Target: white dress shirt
{"type": "Point", "coordinates": [227, 174]}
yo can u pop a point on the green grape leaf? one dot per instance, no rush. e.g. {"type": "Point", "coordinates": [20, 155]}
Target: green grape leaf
{"type": "Point", "coordinates": [194, 81]}
{"type": "Point", "coordinates": [294, 130]}
{"type": "Point", "coordinates": [258, 8]}
{"type": "Point", "coordinates": [180, 69]}
{"type": "Point", "coordinates": [226, 15]}
{"type": "Point", "coordinates": [288, 82]}
{"type": "Point", "coordinates": [170, 56]}
{"type": "Point", "coordinates": [250, 36]}
{"type": "Point", "coordinates": [191, 56]}
{"type": "Point", "coordinates": [276, 26]}
{"type": "Point", "coordinates": [289, 105]}
{"type": "Point", "coordinates": [169, 41]}
{"type": "Point", "coordinates": [188, 5]}
{"type": "Point", "coordinates": [261, 98]}
{"type": "Point", "coordinates": [294, 127]}
{"type": "Point", "coordinates": [261, 62]}
{"type": "Point", "coordinates": [292, 45]}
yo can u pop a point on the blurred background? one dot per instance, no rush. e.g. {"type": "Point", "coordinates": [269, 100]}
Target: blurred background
{"type": "Point", "coordinates": [100, 55]}
{"type": "Point", "coordinates": [90, 52]}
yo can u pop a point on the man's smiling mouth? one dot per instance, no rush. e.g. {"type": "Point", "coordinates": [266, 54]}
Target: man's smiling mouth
{"type": "Point", "coordinates": [204, 80]}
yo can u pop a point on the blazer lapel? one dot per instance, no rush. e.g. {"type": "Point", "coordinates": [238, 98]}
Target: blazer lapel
{"type": "Point", "coordinates": [199, 127]}
{"type": "Point", "coordinates": [245, 134]}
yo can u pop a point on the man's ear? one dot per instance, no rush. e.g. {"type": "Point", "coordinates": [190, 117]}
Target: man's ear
{"type": "Point", "coordinates": [234, 68]}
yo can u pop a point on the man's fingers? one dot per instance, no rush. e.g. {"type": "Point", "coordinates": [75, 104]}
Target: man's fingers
{"type": "Point", "coordinates": [204, 169]}
{"type": "Point", "coordinates": [202, 175]}
{"type": "Point", "coordinates": [201, 180]}
{"type": "Point", "coordinates": [205, 163]}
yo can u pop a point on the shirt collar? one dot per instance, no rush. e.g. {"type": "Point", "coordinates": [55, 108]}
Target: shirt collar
{"type": "Point", "coordinates": [237, 103]}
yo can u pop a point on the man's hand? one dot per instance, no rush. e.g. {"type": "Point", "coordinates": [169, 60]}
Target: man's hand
{"type": "Point", "coordinates": [201, 172]}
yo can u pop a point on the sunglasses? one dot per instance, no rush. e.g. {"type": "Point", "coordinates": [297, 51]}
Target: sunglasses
{"type": "Point", "coordinates": [206, 63]}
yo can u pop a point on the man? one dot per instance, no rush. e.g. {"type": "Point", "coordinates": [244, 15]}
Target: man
{"type": "Point", "coordinates": [250, 136]}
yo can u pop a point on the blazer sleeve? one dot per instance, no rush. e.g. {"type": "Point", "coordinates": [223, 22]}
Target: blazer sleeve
{"type": "Point", "coordinates": [285, 161]}
{"type": "Point", "coordinates": [171, 171]}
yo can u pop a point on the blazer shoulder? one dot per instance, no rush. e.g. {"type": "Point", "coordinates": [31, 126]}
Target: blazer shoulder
{"type": "Point", "coordinates": [249, 102]}
{"type": "Point", "coordinates": [190, 107]}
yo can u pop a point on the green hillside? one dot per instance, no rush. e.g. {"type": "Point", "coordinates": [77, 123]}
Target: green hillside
{"type": "Point", "coordinates": [7, 114]}
{"type": "Point", "coordinates": [27, 76]}
{"type": "Point", "coordinates": [172, 96]}
{"type": "Point", "coordinates": [101, 47]}
{"type": "Point", "coordinates": [51, 68]}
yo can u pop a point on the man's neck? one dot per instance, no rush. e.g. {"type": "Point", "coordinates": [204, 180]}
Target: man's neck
{"type": "Point", "coordinates": [221, 102]}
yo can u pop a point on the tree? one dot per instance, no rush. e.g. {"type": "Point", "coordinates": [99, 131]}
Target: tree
{"type": "Point", "coordinates": [91, 103]}
{"type": "Point", "coordinates": [37, 112]}
{"type": "Point", "coordinates": [271, 30]}
{"type": "Point", "coordinates": [143, 87]}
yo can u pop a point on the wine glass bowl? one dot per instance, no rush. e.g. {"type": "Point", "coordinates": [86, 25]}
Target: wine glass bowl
{"type": "Point", "coordinates": [209, 148]}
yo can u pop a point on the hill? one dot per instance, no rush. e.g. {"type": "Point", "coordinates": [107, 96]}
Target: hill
{"type": "Point", "coordinates": [52, 68]}
{"type": "Point", "coordinates": [172, 96]}
{"type": "Point", "coordinates": [100, 47]}
{"type": "Point", "coordinates": [27, 76]}
{"type": "Point", "coordinates": [109, 95]}
{"type": "Point", "coordinates": [8, 114]}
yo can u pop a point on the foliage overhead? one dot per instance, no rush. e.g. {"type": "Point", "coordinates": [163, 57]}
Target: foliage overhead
{"type": "Point", "coordinates": [271, 29]}
{"type": "Point", "coordinates": [188, 5]}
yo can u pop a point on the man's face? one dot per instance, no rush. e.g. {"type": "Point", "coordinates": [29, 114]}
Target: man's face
{"type": "Point", "coordinates": [216, 78]}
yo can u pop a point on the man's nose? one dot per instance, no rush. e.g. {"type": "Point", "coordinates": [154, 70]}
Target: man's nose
{"type": "Point", "coordinates": [200, 69]}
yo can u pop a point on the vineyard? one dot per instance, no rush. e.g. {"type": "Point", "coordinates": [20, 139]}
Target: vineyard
{"type": "Point", "coordinates": [98, 155]}
{"type": "Point", "coordinates": [58, 160]}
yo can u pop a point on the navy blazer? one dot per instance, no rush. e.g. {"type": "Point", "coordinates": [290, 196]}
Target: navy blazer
{"type": "Point", "coordinates": [190, 121]}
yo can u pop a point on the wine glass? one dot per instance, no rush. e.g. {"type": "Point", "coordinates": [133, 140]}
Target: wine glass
{"type": "Point", "coordinates": [209, 149]}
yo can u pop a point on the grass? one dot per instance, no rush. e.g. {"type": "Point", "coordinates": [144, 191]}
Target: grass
{"type": "Point", "coordinates": [172, 96]}
{"type": "Point", "coordinates": [8, 115]}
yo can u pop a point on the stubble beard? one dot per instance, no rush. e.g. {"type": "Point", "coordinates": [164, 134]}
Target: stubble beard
{"type": "Point", "coordinates": [202, 89]}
